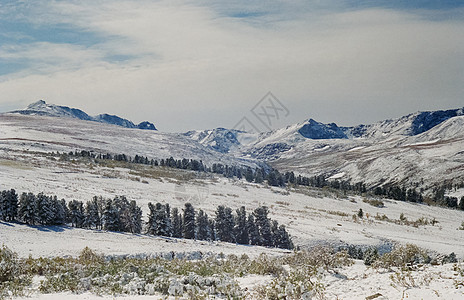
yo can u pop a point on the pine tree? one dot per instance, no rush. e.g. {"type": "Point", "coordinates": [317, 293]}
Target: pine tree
{"type": "Point", "coordinates": [176, 220]}
{"type": "Point", "coordinates": [45, 212]}
{"type": "Point", "coordinates": [151, 219]}
{"type": "Point", "coordinates": [110, 217]}
{"type": "Point", "coordinates": [274, 233]}
{"type": "Point", "coordinates": [135, 218]}
{"type": "Point", "coordinates": [27, 208]}
{"type": "Point", "coordinates": [92, 217]}
{"type": "Point", "coordinates": [202, 226]}
{"type": "Point", "coordinates": [60, 213]}
{"type": "Point", "coordinates": [76, 213]}
{"type": "Point", "coordinates": [253, 232]}
{"type": "Point", "coordinates": [241, 230]}
{"type": "Point", "coordinates": [220, 223]}
{"type": "Point", "coordinates": [284, 241]}
{"type": "Point", "coordinates": [188, 231]}
{"type": "Point", "coordinates": [249, 175]}
{"type": "Point", "coordinates": [167, 216]}
{"type": "Point", "coordinates": [160, 220]}
{"type": "Point", "coordinates": [8, 205]}
{"type": "Point", "coordinates": [259, 176]}
{"type": "Point", "coordinates": [461, 203]}
{"type": "Point", "coordinates": [264, 226]}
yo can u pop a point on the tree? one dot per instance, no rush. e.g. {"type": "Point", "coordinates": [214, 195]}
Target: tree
{"type": "Point", "coordinates": [188, 231]}
{"type": "Point", "coordinates": [241, 231]}
{"type": "Point", "coordinates": [92, 214]}
{"type": "Point", "coordinates": [59, 211]}
{"type": "Point", "coordinates": [224, 224]}
{"type": "Point", "coordinates": [76, 213]}
{"type": "Point", "coordinates": [264, 226]}
{"type": "Point", "coordinates": [8, 205]}
{"type": "Point", "coordinates": [249, 175]}
{"type": "Point", "coordinates": [253, 232]}
{"type": "Point", "coordinates": [176, 220]}
{"type": "Point", "coordinates": [110, 216]}
{"type": "Point", "coordinates": [202, 226]}
{"type": "Point", "coordinates": [45, 212]}
{"type": "Point", "coordinates": [461, 203]}
{"type": "Point", "coordinates": [134, 220]}
{"type": "Point", "coordinates": [27, 208]}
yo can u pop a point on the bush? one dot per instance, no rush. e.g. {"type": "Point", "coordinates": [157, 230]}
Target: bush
{"type": "Point", "coordinates": [9, 267]}
{"type": "Point", "coordinates": [401, 256]}
{"type": "Point", "coordinates": [370, 256]}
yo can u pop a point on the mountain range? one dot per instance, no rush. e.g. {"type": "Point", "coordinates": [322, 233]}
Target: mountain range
{"type": "Point", "coordinates": [42, 108]}
{"type": "Point", "coordinates": [423, 149]}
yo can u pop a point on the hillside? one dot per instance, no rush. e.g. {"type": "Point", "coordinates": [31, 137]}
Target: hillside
{"type": "Point", "coordinates": [420, 150]}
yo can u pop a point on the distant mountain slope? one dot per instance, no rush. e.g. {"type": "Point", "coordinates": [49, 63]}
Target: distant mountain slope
{"type": "Point", "coordinates": [42, 108]}
{"type": "Point", "coordinates": [423, 149]}
{"type": "Point", "coordinates": [46, 134]}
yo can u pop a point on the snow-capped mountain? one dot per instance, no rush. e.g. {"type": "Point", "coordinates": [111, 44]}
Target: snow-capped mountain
{"type": "Point", "coordinates": [42, 108]}
{"type": "Point", "coordinates": [40, 133]}
{"type": "Point", "coordinates": [423, 147]}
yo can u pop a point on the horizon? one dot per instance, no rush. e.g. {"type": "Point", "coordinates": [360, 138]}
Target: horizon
{"type": "Point", "coordinates": [227, 128]}
{"type": "Point", "coordinates": [186, 65]}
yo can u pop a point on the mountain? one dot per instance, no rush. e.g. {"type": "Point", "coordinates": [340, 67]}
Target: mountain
{"type": "Point", "coordinates": [42, 108]}
{"type": "Point", "coordinates": [422, 149]}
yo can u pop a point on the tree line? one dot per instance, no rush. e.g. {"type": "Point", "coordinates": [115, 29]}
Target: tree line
{"type": "Point", "coordinates": [275, 178]}
{"type": "Point", "coordinates": [121, 215]}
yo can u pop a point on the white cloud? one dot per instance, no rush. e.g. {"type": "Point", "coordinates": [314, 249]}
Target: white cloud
{"type": "Point", "coordinates": [192, 67]}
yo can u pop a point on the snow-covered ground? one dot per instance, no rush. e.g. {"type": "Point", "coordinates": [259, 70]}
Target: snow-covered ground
{"type": "Point", "coordinates": [311, 216]}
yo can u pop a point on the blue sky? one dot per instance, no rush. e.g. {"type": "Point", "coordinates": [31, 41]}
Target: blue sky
{"type": "Point", "coordinates": [203, 64]}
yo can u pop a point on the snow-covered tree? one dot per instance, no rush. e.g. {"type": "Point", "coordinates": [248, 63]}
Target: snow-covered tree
{"type": "Point", "coordinates": [253, 232]}
{"type": "Point", "coordinates": [27, 212]}
{"type": "Point", "coordinates": [264, 225]}
{"type": "Point", "coordinates": [76, 213]}
{"type": "Point", "coordinates": [188, 231]}
{"type": "Point", "coordinates": [176, 220]}
{"type": "Point", "coordinates": [8, 205]}
{"type": "Point", "coordinates": [202, 226]}
{"type": "Point", "coordinates": [111, 220]}
{"type": "Point", "coordinates": [241, 230]}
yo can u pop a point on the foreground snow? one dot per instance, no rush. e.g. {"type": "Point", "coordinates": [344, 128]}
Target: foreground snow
{"type": "Point", "coordinates": [353, 282]}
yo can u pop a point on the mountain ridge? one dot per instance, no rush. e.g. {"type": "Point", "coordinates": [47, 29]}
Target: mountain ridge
{"type": "Point", "coordinates": [44, 109]}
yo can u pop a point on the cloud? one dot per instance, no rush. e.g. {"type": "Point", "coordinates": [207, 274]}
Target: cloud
{"type": "Point", "coordinates": [185, 64]}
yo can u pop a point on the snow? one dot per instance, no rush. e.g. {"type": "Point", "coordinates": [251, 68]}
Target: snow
{"type": "Point", "coordinates": [337, 176]}
{"type": "Point", "coordinates": [311, 216]}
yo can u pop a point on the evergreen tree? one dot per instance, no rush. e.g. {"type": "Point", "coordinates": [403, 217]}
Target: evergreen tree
{"type": "Point", "coordinates": [110, 216]}
{"type": "Point", "coordinates": [259, 176]}
{"type": "Point", "coordinates": [167, 216]}
{"type": "Point", "coordinates": [76, 213]}
{"type": "Point", "coordinates": [461, 203]}
{"type": "Point", "coordinates": [222, 231]}
{"type": "Point", "coordinates": [249, 175]}
{"type": "Point", "coordinates": [92, 214]}
{"type": "Point", "coordinates": [45, 213]}
{"type": "Point", "coordinates": [27, 208]}
{"type": "Point", "coordinates": [60, 213]}
{"type": "Point", "coordinates": [283, 239]}
{"type": "Point", "coordinates": [134, 222]}
{"type": "Point", "coordinates": [202, 226]}
{"type": "Point", "coordinates": [188, 231]}
{"type": "Point", "coordinates": [8, 205]}
{"type": "Point", "coordinates": [241, 230]}
{"type": "Point", "coordinates": [176, 220]}
{"type": "Point", "coordinates": [264, 225]}
{"type": "Point", "coordinates": [253, 232]}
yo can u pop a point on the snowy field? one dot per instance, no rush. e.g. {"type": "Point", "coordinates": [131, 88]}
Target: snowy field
{"type": "Point", "coordinates": [312, 217]}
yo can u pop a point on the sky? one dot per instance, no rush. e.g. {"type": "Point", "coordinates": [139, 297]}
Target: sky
{"type": "Point", "coordinates": [187, 65]}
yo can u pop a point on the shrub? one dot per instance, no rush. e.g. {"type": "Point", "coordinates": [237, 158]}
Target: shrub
{"type": "Point", "coordinates": [370, 256]}
{"type": "Point", "coordinates": [401, 256]}
{"type": "Point", "coordinates": [9, 267]}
